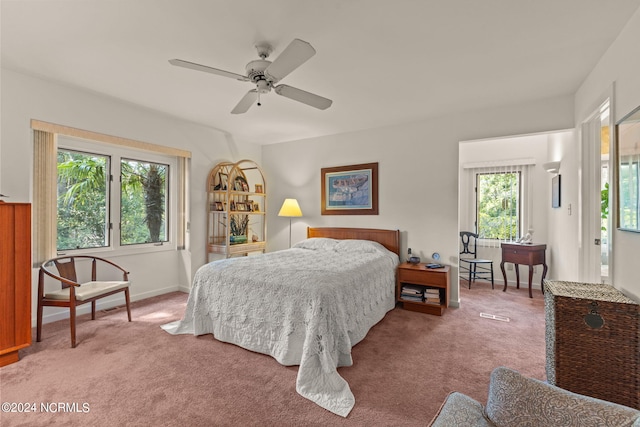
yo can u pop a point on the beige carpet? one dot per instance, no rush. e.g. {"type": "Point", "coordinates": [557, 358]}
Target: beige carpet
{"type": "Point", "coordinates": [136, 374]}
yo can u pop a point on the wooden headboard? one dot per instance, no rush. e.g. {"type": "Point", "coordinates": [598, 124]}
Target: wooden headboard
{"type": "Point", "coordinates": [390, 239]}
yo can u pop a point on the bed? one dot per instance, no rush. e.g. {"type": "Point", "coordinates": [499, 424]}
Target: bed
{"type": "Point", "coordinates": [307, 305]}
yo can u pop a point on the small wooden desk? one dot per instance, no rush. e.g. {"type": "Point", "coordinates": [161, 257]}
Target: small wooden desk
{"type": "Point", "coordinates": [526, 254]}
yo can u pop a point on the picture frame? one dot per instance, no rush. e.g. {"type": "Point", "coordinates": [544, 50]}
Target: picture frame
{"type": "Point", "coordinates": [240, 184]}
{"type": "Point", "coordinates": [350, 190]}
{"type": "Point", "coordinates": [222, 181]}
{"type": "Point", "coordinates": [259, 188]}
{"type": "Point", "coordinates": [627, 155]}
{"type": "Point", "coordinates": [556, 191]}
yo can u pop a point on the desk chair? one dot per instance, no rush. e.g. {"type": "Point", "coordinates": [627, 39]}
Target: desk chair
{"type": "Point", "coordinates": [472, 268]}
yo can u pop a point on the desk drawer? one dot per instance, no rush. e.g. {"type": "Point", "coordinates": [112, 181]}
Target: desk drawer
{"type": "Point", "coordinates": [515, 256]}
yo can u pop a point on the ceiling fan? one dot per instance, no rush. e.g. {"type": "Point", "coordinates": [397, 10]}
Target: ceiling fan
{"type": "Point", "coordinates": [265, 74]}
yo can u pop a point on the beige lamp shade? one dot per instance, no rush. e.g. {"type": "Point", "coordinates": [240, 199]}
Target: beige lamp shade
{"type": "Point", "coordinates": [290, 208]}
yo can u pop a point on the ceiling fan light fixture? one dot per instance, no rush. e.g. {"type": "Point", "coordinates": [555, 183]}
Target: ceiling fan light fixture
{"type": "Point", "coordinates": [265, 74]}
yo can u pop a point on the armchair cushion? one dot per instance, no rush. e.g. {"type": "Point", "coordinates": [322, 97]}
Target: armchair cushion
{"type": "Point", "coordinates": [518, 400]}
{"type": "Point", "coordinates": [515, 400]}
{"type": "Point", "coordinates": [460, 410]}
{"type": "Point", "coordinates": [88, 290]}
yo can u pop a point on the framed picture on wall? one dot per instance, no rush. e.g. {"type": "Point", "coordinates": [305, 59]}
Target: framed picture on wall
{"type": "Point", "coordinates": [350, 190]}
{"type": "Point", "coordinates": [555, 191]}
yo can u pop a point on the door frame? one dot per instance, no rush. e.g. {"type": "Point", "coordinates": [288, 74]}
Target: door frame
{"type": "Point", "coordinates": [589, 192]}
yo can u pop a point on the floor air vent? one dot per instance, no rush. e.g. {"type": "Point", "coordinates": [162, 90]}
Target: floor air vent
{"type": "Point", "coordinates": [494, 317]}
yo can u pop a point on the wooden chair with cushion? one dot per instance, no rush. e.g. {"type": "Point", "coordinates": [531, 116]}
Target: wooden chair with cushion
{"type": "Point", "coordinates": [73, 293]}
{"type": "Point", "coordinates": [471, 267]}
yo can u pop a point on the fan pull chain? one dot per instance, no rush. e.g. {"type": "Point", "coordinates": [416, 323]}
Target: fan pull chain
{"type": "Point", "coordinates": [259, 104]}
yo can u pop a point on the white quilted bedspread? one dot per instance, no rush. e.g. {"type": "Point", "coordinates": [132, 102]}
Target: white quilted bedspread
{"type": "Point", "coordinates": [305, 306]}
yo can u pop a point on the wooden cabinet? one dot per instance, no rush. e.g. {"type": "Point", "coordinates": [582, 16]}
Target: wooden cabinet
{"type": "Point", "coordinates": [429, 282]}
{"type": "Point", "coordinates": [236, 209]}
{"type": "Point", "coordinates": [15, 280]}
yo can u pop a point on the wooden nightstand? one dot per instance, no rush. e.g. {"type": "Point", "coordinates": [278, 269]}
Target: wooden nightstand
{"type": "Point", "coordinates": [433, 282]}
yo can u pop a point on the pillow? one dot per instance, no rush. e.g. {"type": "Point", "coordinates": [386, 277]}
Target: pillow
{"type": "Point", "coordinates": [355, 245]}
{"type": "Point", "coordinates": [317, 244]}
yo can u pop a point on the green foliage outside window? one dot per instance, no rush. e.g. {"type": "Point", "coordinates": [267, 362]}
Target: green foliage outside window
{"type": "Point", "coordinates": [143, 202]}
{"type": "Point", "coordinates": [83, 201]}
{"type": "Point", "coordinates": [498, 205]}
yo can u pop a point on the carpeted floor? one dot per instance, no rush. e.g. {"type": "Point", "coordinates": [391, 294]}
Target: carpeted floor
{"type": "Point", "coordinates": [136, 374]}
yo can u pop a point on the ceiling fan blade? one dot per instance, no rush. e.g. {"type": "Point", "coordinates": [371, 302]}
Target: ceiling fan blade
{"type": "Point", "coordinates": [296, 54]}
{"type": "Point", "coordinates": [198, 67]}
{"type": "Point", "coordinates": [246, 102]}
{"type": "Point", "coordinates": [303, 96]}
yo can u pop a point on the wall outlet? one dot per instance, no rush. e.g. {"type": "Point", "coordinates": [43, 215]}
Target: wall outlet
{"type": "Point", "coordinates": [510, 267]}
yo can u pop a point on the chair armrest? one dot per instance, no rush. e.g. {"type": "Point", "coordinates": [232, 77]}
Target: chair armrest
{"type": "Point", "coordinates": [518, 400]}
{"type": "Point", "coordinates": [460, 410]}
{"type": "Point", "coordinates": [46, 271]}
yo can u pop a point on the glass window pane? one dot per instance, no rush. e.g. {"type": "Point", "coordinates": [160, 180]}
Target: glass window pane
{"type": "Point", "coordinates": [143, 202]}
{"type": "Point", "coordinates": [83, 214]}
{"type": "Point", "coordinates": [629, 193]}
{"type": "Point", "coordinates": [498, 205]}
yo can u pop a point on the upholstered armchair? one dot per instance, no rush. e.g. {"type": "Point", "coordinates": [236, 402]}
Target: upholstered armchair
{"type": "Point", "coordinates": [515, 400]}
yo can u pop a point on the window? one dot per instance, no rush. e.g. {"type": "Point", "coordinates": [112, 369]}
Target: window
{"type": "Point", "coordinates": [143, 202]}
{"type": "Point", "coordinates": [495, 200]}
{"type": "Point", "coordinates": [83, 209]}
{"type": "Point", "coordinates": [629, 192]}
{"type": "Point", "coordinates": [498, 205]}
{"type": "Point", "coordinates": [100, 209]}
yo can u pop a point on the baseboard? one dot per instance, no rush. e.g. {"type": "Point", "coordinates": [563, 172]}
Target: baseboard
{"type": "Point", "coordinates": [523, 284]}
{"type": "Point", "coordinates": [102, 304]}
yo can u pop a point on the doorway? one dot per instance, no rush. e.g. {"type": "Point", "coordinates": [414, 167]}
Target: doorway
{"type": "Point", "coordinates": [524, 154]}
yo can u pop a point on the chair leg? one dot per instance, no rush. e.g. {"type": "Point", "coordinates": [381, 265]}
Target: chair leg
{"type": "Point", "coordinates": [93, 310]}
{"type": "Point", "coordinates": [470, 268]}
{"type": "Point", "coordinates": [126, 298]}
{"type": "Point", "coordinates": [72, 322]}
{"type": "Point", "coordinates": [39, 322]}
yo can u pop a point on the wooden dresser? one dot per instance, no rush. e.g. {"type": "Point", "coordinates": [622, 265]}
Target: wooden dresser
{"type": "Point", "coordinates": [15, 280]}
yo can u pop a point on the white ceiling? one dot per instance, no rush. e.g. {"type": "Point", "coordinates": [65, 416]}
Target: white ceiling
{"type": "Point", "coordinates": [382, 62]}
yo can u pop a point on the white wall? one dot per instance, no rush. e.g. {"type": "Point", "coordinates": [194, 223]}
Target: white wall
{"type": "Point", "coordinates": [620, 67]}
{"type": "Point", "coordinates": [25, 98]}
{"type": "Point", "coordinates": [418, 174]}
{"type": "Point", "coordinates": [562, 222]}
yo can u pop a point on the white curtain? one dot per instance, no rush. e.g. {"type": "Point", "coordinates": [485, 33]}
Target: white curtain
{"type": "Point", "coordinates": [45, 196]}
